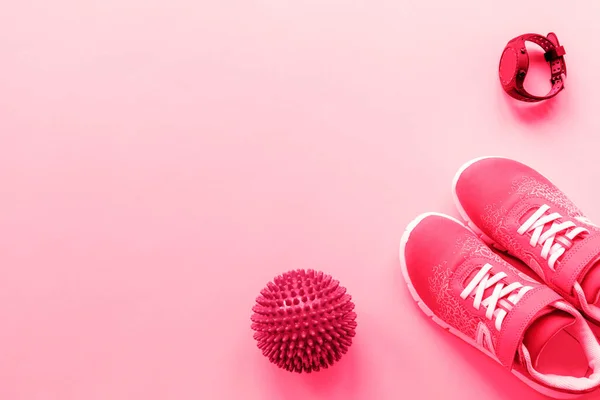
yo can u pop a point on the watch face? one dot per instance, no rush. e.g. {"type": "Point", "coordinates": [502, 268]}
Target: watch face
{"type": "Point", "coordinates": [508, 65]}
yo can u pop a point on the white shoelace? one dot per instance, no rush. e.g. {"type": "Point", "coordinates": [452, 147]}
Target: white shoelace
{"type": "Point", "coordinates": [484, 280]}
{"type": "Point", "coordinates": [553, 246]}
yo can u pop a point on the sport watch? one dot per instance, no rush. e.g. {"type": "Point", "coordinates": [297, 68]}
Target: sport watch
{"type": "Point", "coordinates": [514, 64]}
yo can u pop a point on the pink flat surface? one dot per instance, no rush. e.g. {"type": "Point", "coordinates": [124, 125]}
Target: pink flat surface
{"type": "Point", "coordinates": [160, 161]}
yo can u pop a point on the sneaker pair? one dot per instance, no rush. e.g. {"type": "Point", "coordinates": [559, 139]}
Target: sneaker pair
{"type": "Point", "coordinates": [468, 289]}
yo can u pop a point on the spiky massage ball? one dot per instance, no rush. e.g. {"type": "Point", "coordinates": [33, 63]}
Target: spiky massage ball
{"type": "Point", "coordinates": [304, 321]}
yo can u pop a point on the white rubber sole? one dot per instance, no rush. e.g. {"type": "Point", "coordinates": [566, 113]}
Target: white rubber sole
{"type": "Point", "coordinates": [403, 241]}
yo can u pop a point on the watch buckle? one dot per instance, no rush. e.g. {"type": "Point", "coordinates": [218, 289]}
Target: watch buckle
{"type": "Point", "coordinates": [554, 54]}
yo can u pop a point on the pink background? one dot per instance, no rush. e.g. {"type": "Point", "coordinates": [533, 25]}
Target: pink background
{"type": "Point", "coordinates": [160, 161]}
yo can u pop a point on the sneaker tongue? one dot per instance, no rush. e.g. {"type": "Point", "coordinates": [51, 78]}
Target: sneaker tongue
{"type": "Point", "coordinates": [590, 282]}
{"type": "Point", "coordinates": [547, 324]}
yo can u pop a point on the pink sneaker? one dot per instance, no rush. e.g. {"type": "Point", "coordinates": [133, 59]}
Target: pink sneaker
{"type": "Point", "coordinates": [518, 210]}
{"type": "Point", "coordinates": [471, 292]}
